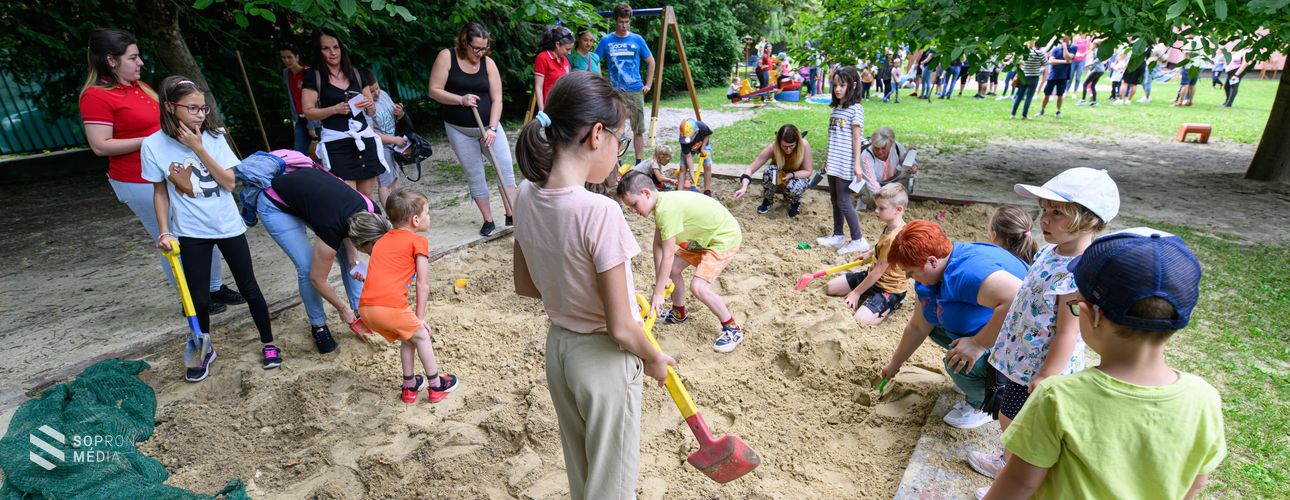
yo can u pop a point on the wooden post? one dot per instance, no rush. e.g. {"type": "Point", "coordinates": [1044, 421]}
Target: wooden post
{"type": "Point", "coordinates": [532, 108]}
{"type": "Point", "coordinates": [251, 94]}
{"type": "Point", "coordinates": [685, 67]}
{"type": "Point", "coordinates": [660, 55]}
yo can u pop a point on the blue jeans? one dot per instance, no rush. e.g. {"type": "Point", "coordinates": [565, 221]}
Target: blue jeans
{"type": "Point", "coordinates": [927, 83]}
{"type": "Point", "coordinates": [972, 382]}
{"type": "Point", "coordinates": [1025, 91]}
{"type": "Point", "coordinates": [139, 198]}
{"type": "Point", "coordinates": [1077, 72]}
{"type": "Point", "coordinates": [288, 231]}
{"type": "Point", "coordinates": [301, 139]}
{"type": "Point", "coordinates": [1007, 82]}
{"type": "Point", "coordinates": [951, 77]}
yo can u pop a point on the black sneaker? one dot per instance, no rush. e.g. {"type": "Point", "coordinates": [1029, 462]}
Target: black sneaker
{"type": "Point", "coordinates": [198, 374]}
{"type": "Point", "coordinates": [764, 207]}
{"type": "Point", "coordinates": [510, 220]}
{"type": "Point", "coordinates": [226, 295]}
{"type": "Point", "coordinates": [216, 308]}
{"type": "Point", "coordinates": [488, 228]}
{"type": "Point", "coordinates": [795, 209]}
{"type": "Point", "coordinates": [272, 356]}
{"type": "Point", "coordinates": [322, 339]}
{"type": "Point", "coordinates": [672, 317]}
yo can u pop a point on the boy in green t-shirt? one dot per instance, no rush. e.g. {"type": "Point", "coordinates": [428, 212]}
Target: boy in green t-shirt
{"type": "Point", "coordinates": [700, 231]}
{"type": "Point", "coordinates": [1132, 427]}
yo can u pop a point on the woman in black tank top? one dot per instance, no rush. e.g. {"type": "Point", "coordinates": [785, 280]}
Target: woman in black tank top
{"type": "Point", "coordinates": [464, 77]}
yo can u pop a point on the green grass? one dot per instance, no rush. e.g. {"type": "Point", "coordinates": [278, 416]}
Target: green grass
{"type": "Point", "coordinates": [964, 122]}
{"type": "Point", "coordinates": [1237, 340]}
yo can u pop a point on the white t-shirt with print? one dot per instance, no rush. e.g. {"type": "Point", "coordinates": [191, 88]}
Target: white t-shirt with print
{"type": "Point", "coordinates": [841, 159]}
{"type": "Point", "coordinates": [1028, 329]}
{"type": "Point", "coordinates": [209, 212]}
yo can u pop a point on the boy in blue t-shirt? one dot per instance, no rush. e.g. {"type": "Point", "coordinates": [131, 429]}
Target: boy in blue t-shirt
{"type": "Point", "coordinates": [622, 52]}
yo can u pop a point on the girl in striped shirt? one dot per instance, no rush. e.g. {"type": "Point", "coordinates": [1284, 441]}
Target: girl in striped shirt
{"type": "Point", "coordinates": [846, 133]}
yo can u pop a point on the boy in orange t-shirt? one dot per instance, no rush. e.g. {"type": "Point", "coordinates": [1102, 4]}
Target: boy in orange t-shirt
{"type": "Point", "coordinates": [395, 255]}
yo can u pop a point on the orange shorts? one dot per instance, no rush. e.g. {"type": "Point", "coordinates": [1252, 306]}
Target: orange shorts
{"type": "Point", "coordinates": [393, 323]}
{"type": "Point", "coordinates": [708, 264]}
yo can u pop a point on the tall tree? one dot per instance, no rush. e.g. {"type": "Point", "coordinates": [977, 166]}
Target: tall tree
{"type": "Point", "coordinates": [986, 27]}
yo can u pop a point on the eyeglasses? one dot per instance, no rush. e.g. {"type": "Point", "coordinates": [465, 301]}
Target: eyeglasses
{"type": "Point", "coordinates": [624, 140]}
{"type": "Point", "coordinates": [1074, 305]}
{"type": "Point", "coordinates": [193, 108]}
{"type": "Point", "coordinates": [481, 50]}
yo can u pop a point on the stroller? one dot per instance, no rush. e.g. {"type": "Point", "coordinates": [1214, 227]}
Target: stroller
{"type": "Point", "coordinates": [418, 149]}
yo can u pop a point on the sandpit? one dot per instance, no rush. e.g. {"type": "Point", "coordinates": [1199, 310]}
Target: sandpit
{"type": "Point", "coordinates": [799, 389]}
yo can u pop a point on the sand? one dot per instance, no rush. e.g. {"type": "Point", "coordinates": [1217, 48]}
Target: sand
{"type": "Point", "coordinates": [799, 390]}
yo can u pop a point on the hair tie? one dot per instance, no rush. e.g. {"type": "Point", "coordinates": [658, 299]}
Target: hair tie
{"type": "Point", "coordinates": [1030, 234]}
{"type": "Point", "coordinates": [543, 119]}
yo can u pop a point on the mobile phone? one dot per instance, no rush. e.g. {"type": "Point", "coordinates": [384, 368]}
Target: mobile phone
{"type": "Point", "coordinates": [350, 94]}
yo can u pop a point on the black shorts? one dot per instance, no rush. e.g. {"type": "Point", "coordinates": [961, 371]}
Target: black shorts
{"type": "Point", "coordinates": [347, 162]}
{"type": "Point", "coordinates": [982, 76]}
{"type": "Point", "coordinates": [1058, 85]}
{"type": "Point", "coordinates": [1011, 396]}
{"type": "Point", "coordinates": [1135, 77]}
{"type": "Point", "coordinates": [874, 299]}
{"type": "Point", "coordinates": [994, 76]}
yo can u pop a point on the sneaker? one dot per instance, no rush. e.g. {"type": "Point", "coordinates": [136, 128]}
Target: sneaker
{"type": "Point", "coordinates": [794, 209]}
{"type": "Point", "coordinates": [510, 220]}
{"type": "Point", "coordinates": [228, 296]}
{"type": "Point", "coordinates": [1000, 98]}
{"type": "Point", "coordinates": [1091, 104]}
{"type": "Point", "coordinates": [198, 374]}
{"type": "Point", "coordinates": [447, 384]}
{"type": "Point", "coordinates": [987, 464]}
{"type": "Point", "coordinates": [487, 229]}
{"type": "Point", "coordinates": [855, 246]}
{"type": "Point", "coordinates": [272, 356]}
{"type": "Point", "coordinates": [730, 338]}
{"type": "Point", "coordinates": [1058, 115]}
{"type": "Point", "coordinates": [830, 241]}
{"type": "Point", "coordinates": [1081, 102]}
{"type": "Point", "coordinates": [671, 317]}
{"type": "Point", "coordinates": [1144, 100]}
{"type": "Point", "coordinates": [216, 308]}
{"type": "Point", "coordinates": [1041, 112]}
{"type": "Point", "coordinates": [982, 492]}
{"type": "Point", "coordinates": [764, 207]}
{"type": "Point", "coordinates": [409, 394]}
{"type": "Point", "coordinates": [964, 416]}
{"type": "Point", "coordinates": [322, 339]}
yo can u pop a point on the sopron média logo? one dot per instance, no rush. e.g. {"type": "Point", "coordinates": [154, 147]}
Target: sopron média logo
{"type": "Point", "coordinates": [38, 439]}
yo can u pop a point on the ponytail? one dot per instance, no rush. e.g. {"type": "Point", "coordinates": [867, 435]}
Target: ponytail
{"type": "Point", "coordinates": [577, 102]}
{"type": "Point", "coordinates": [1010, 227]}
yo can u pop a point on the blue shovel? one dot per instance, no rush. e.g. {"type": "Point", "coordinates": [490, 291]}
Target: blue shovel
{"type": "Point", "coordinates": [198, 343]}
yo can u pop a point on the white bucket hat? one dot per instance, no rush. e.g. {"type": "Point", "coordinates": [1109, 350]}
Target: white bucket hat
{"type": "Point", "coordinates": [1092, 188]}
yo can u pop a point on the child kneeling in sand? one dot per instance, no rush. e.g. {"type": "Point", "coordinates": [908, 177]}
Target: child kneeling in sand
{"type": "Point", "coordinates": [655, 166]}
{"type": "Point", "coordinates": [711, 237]}
{"type": "Point", "coordinates": [874, 293]}
{"type": "Point", "coordinates": [395, 255]}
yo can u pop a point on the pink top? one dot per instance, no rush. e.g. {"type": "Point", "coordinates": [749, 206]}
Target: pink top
{"type": "Point", "coordinates": [568, 236]}
{"type": "Point", "coordinates": [1082, 47]}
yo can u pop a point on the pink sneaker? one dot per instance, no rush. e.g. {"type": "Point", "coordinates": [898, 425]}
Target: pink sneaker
{"type": "Point", "coordinates": [988, 465]}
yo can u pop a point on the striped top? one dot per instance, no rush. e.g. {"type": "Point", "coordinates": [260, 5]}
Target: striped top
{"type": "Point", "coordinates": [1034, 62]}
{"type": "Point", "coordinates": [841, 155]}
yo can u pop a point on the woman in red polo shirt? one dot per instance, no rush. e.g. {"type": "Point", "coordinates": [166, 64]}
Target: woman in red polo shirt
{"type": "Point", "coordinates": [552, 62]}
{"type": "Point", "coordinates": [119, 111]}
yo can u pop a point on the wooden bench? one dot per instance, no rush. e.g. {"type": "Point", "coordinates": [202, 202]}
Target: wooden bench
{"type": "Point", "coordinates": [1201, 129]}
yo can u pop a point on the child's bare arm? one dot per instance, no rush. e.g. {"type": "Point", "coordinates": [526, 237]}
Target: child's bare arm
{"type": "Point", "coordinates": [664, 255]}
{"type": "Point", "coordinates": [524, 285]}
{"type": "Point", "coordinates": [857, 138]}
{"type": "Point", "coordinates": [624, 327]}
{"type": "Point", "coordinates": [423, 285]}
{"type": "Point", "coordinates": [1062, 346]}
{"type": "Point", "coordinates": [1196, 485]}
{"type": "Point", "coordinates": [1017, 480]}
{"type": "Point", "coordinates": [161, 210]}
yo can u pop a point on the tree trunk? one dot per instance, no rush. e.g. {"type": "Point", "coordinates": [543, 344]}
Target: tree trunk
{"type": "Point", "coordinates": [1272, 160]}
{"type": "Point", "coordinates": [168, 42]}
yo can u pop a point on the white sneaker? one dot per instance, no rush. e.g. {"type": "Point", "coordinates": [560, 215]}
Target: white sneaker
{"type": "Point", "coordinates": [1002, 97]}
{"type": "Point", "coordinates": [964, 416]}
{"type": "Point", "coordinates": [988, 465]}
{"type": "Point", "coordinates": [982, 492]}
{"type": "Point", "coordinates": [830, 241]}
{"type": "Point", "coordinates": [855, 246]}
{"type": "Point", "coordinates": [1144, 99]}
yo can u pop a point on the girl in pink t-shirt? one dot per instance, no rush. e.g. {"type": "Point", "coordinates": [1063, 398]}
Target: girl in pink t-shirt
{"type": "Point", "coordinates": [552, 62]}
{"type": "Point", "coordinates": [573, 251]}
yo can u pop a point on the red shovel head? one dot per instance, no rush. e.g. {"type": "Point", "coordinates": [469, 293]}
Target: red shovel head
{"type": "Point", "coordinates": [725, 459]}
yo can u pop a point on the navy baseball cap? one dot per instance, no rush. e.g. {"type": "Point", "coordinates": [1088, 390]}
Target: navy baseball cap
{"type": "Point", "coordinates": [1124, 267]}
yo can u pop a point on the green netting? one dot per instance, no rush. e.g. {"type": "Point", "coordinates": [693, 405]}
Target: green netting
{"type": "Point", "coordinates": [93, 423]}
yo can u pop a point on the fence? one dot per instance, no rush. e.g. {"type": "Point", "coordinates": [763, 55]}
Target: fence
{"type": "Point", "coordinates": [24, 127]}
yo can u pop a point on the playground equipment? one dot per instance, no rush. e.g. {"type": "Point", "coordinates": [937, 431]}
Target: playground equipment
{"type": "Point", "coordinates": [1201, 130]}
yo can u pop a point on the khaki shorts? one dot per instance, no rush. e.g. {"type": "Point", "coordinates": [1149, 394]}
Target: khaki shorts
{"type": "Point", "coordinates": [636, 110]}
{"type": "Point", "coordinates": [393, 323]}
{"type": "Point", "coordinates": [708, 264]}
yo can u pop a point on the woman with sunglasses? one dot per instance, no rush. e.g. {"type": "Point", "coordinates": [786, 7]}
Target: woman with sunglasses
{"type": "Point", "coordinates": [190, 165]}
{"type": "Point", "coordinates": [119, 110]}
{"type": "Point", "coordinates": [464, 77]}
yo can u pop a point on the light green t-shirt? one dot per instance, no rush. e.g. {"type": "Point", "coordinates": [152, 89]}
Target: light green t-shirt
{"type": "Point", "coordinates": [698, 219]}
{"type": "Point", "coordinates": [1101, 437]}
